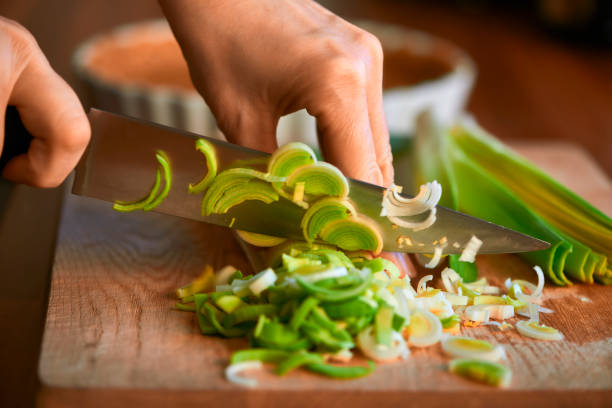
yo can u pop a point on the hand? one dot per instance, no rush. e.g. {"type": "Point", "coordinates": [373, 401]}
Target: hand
{"type": "Point", "coordinates": [257, 60]}
{"type": "Point", "coordinates": [48, 107]}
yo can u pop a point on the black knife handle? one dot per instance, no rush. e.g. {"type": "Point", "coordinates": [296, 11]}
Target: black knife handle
{"type": "Point", "coordinates": [16, 137]}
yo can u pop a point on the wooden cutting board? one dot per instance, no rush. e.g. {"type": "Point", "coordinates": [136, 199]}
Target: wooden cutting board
{"type": "Point", "coordinates": [112, 338]}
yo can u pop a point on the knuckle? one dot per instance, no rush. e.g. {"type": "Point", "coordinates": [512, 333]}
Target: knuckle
{"type": "Point", "coordinates": [371, 44]}
{"type": "Point", "coordinates": [345, 70]}
{"type": "Point", "coordinates": [76, 133]}
{"type": "Point", "coordinates": [22, 40]}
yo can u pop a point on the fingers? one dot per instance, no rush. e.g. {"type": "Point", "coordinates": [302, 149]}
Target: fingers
{"type": "Point", "coordinates": [378, 124]}
{"type": "Point", "coordinates": [347, 103]}
{"type": "Point", "coordinates": [339, 103]}
{"type": "Point", "coordinates": [248, 128]}
{"type": "Point", "coordinates": [51, 112]}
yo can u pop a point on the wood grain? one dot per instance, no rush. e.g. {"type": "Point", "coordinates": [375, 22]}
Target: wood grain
{"type": "Point", "coordinates": [111, 336]}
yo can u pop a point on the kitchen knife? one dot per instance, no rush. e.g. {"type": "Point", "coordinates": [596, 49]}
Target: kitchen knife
{"type": "Point", "coordinates": [120, 164]}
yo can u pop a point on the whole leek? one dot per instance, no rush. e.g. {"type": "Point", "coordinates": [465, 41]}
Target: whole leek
{"type": "Point", "coordinates": [482, 177]}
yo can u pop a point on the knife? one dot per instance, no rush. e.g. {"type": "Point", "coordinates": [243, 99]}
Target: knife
{"type": "Point", "coordinates": [120, 164]}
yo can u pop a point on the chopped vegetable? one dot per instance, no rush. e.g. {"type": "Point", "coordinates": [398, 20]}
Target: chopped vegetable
{"type": "Point", "coordinates": [425, 328]}
{"type": "Point", "coordinates": [384, 353]}
{"type": "Point", "coordinates": [320, 179]}
{"type": "Point", "coordinates": [207, 149]}
{"type": "Point", "coordinates": [232, 371]}
{"type": "Point", "coordinates": [322, 213]}
{"type": "Point", "coordinates": [466, 347]}
{"type": "Point", "coordinates": [260, 240]}
{"type": "Point", "coordinates": [470, 250]}
{"type": "Point", "coordinates": [153, 199]}
{"type": "Point", "coordinates": [286, 160]}
{"type": "Point", "coordinates": [353, 233]}
{"type": "Point", "coordinates": [394, 206]}
{"type": "Point", "coordinates": [437, 256]}
{"type": "Point", "coordinates": [538, 331]}
{"type": "Point", "coordinates": [262, 281]}
{"type": "Point", "coordinates": [203, 283]}
{"type": "Point", "coordinates": [234, 186]}
{"type": "Point", "coordinates": [486, 372]}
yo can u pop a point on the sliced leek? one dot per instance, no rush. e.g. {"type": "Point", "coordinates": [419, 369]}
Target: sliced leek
{"type": "Point", "coordinates": [352, 234]}
{"type": "Point", "coordinates": [232, 182]}
{"type": "Point", "coordinates": [322, 212]}
{"type": "Point", "coordinates": [320, 179]}
{"type": "Point", "coordinates": [155, 197]}
{"type": "Point", "coordinates": [538, 331]}
{"type": "Point", "coordinates": [466, 347]}
{"type": "Point", "coordinates": [208, 150]}
{"type": "Point", "coordinates": [424, 329]}
{"type": "Point", "coordinates": [260, 240]}
{"type": "Point", "coordinates": [487, 372]}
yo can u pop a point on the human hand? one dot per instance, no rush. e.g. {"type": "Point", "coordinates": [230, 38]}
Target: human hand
{"type": "Point", "coordinates": [257, 60]}
{"type": "Point", "coordinates": [48, 107]}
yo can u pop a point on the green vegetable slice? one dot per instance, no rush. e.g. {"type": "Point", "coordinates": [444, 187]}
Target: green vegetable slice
{"type": "Point", "coordinates": [450, 321]}
{"type": "Point", "coordinates": [152, 199]}
{"type": "Point", "coordinates": [482, 371]}
{"type": "Point", "coordinates": [249, 313]}
{"type": "Point", "coordinates": [288, 158]}
{"type": "Point", "coordinates": [322, 212]}
{"type": "Point", "coordinates": [296, 360]}
{"type": "Point", "coordinates": [352, 234]}
{"type": "Point", "coordinates": [233, 180]}
{"type": "Point", "coordinates": [238, 194]}
{"type": "Point", "coordinates": [206, 326]}
{"type": "Point", "coordinates": [302, 312]}
{"type": "Point", "coordinates": [260, 240]}
{"type": "Point", "coordinates": [382, 325]}
{"type": "Point", "coordinates": [258, 354]}
{"type": "Point", "coordinates": [208, 150]}
{"type": "Point", "coordinates": [164, 161]}
{"type": "Point", "coordinates": [337, 295]}
{"type": "Point", "coordinates": [320, 179]}
{"type": "Point", "coordinates": [345, 372]}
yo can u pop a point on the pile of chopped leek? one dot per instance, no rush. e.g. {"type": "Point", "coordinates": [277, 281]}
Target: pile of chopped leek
{"type": "Point", "coordinates": [482, 177]}
{"type": "Point", "coordinates": [316, 307]}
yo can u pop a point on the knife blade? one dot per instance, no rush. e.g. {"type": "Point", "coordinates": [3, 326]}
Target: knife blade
{"type": "Point", "coordinates": [119, 164]}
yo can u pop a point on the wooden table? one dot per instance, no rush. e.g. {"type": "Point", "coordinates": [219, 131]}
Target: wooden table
{"type": "Point", "coordinates": [112, 336]}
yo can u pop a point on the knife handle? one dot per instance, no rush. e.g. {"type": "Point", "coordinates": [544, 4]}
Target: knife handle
{"type": "Point", "coordinates": [16, 137]}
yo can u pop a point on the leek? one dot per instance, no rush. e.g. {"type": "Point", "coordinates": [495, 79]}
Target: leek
{"type": "Point", "coordinates": [207, 149]}
{"type": "Point", "coordinates": [483, 178]}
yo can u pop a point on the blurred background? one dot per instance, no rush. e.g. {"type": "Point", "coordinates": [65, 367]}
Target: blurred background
{"type": "Point", "coordinates": [540, 70]}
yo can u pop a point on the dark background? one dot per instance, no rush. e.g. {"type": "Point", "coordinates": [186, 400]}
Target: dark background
{"type": "Point", "coordinates": [544, 73]}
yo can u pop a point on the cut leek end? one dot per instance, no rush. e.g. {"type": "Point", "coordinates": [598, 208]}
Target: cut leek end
{"type": "Point", "coordinates": [486, 372]}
